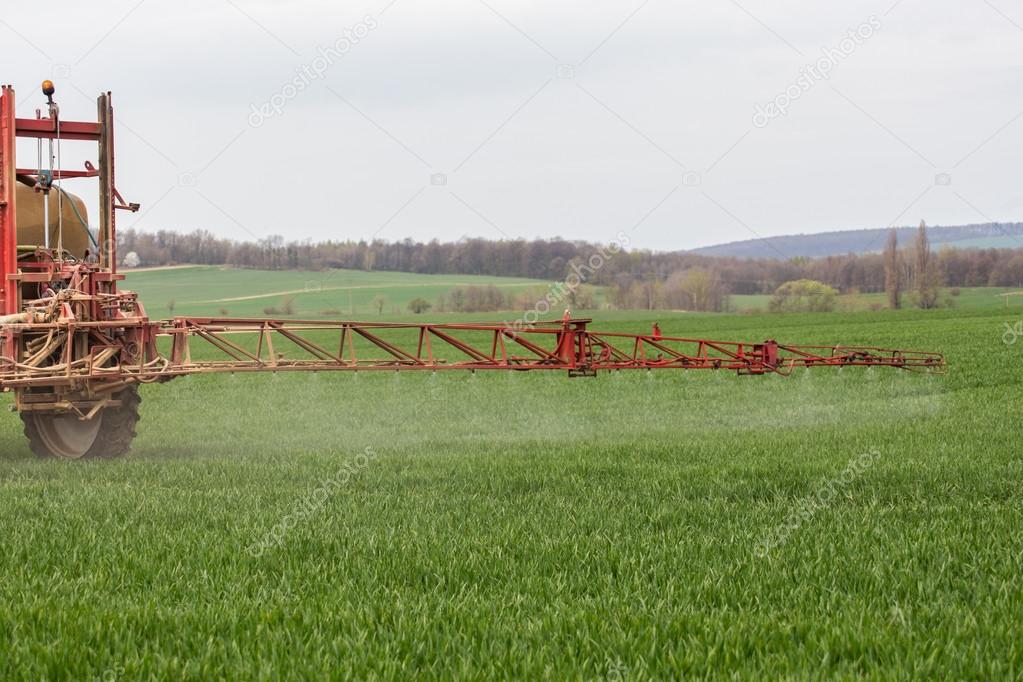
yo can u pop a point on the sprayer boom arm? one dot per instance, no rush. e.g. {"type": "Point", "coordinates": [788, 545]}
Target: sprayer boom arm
{"type": "Point", "coordinates": [127, 350]}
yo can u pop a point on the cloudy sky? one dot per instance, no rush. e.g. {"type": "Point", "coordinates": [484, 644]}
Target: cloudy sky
{"type": "Point", "coordinates": [680, 123]}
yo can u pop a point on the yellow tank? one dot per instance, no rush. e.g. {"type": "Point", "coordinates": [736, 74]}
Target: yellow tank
{"type": "Point", "coordinates": [30, 220]}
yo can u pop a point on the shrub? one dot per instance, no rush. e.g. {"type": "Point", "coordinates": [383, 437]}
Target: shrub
{"type": "Point", "coordinates": [419, 305]}
{"type": "Point", "coordinates": [803, 295]}
{"type": "Point", "coordinates": [287, 307]}
{"type": "Point", "coordinates": [477, 299]}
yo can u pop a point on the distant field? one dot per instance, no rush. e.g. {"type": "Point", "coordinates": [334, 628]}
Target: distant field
{"type": "Point", "coordinates": [206, 290]}
{"type": "Point", "coordinates": [969, 298]}
{"type": "Point", "coordinates": [851, 524]}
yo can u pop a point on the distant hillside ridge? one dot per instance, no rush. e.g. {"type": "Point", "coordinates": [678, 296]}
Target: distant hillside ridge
{"type": "Point", "coordinates": [987, 235]}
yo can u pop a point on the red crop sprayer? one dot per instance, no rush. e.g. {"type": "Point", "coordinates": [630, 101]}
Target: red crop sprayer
{"type": "Point", "coordinates": [75, 348]}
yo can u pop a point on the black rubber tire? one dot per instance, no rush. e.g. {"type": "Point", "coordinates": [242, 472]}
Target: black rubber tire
{"type": "Point", "coordinates": [113, 438]}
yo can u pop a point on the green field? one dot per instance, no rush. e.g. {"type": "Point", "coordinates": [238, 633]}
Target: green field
{"type": "Point", "coordinates": [218, 291]}
{"type": "Point", "coordinates": [970, 298]}
{"type": "Point", "coordinates": [835, 523]}
{"type": "Point", "coordinates": [209, 290]}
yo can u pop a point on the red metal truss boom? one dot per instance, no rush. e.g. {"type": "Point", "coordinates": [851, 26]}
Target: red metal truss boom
{"type": "Point", "coordinates": [568, 345]}
{"type": "Point", "coordinates": [203, 345]}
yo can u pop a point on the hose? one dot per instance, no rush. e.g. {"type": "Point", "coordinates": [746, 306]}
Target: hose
{"type": "Point", "coordinates": [26, 180]}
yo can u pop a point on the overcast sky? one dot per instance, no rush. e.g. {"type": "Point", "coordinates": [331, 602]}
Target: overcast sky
{"type": "Point", "coordinates": [441, 119]}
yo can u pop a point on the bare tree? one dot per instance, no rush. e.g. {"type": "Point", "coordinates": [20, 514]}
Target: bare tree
{"type": "Point", "coordinates": [379, 302]}
{"type": "Point", "coordinates": [694, 289]}
{"type": "Point", "coordinates": [892, 271]}
{"type": "Point", "coordinates": [705, 290]}
{"type": "Point", "coordinates": [922, 254]}
{"type": "Point", "coordinates": [926, 276]}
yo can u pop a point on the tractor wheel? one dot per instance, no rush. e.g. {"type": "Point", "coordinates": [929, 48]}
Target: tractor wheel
{"type": "Point", "coordinates": [107, 435]}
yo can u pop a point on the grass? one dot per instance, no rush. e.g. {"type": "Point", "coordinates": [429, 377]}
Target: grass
{"type": "Point", "coordinates": [530, 526]}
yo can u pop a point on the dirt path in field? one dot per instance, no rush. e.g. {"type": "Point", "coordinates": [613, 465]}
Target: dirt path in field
{"type": "Point", "coordinates": [154, 268]}
{"type": "Point", "coordinates": [290, 292]}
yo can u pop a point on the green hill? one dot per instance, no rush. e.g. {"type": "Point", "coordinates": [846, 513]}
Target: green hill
{"type": "Point", "coordinates": [841, 242]}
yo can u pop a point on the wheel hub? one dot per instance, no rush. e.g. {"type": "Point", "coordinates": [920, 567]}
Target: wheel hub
{"type": "Point", "coordinates": [67, 436]}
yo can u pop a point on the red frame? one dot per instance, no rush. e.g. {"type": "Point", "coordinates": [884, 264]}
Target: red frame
{"type": "Point", "coordinates": [102, 133]}
{"type": "Point", "coordinates": [8, 178]}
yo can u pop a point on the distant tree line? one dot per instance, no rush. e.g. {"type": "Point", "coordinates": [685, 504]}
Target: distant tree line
{"type": "Point", "coordinates": [635, 278]}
